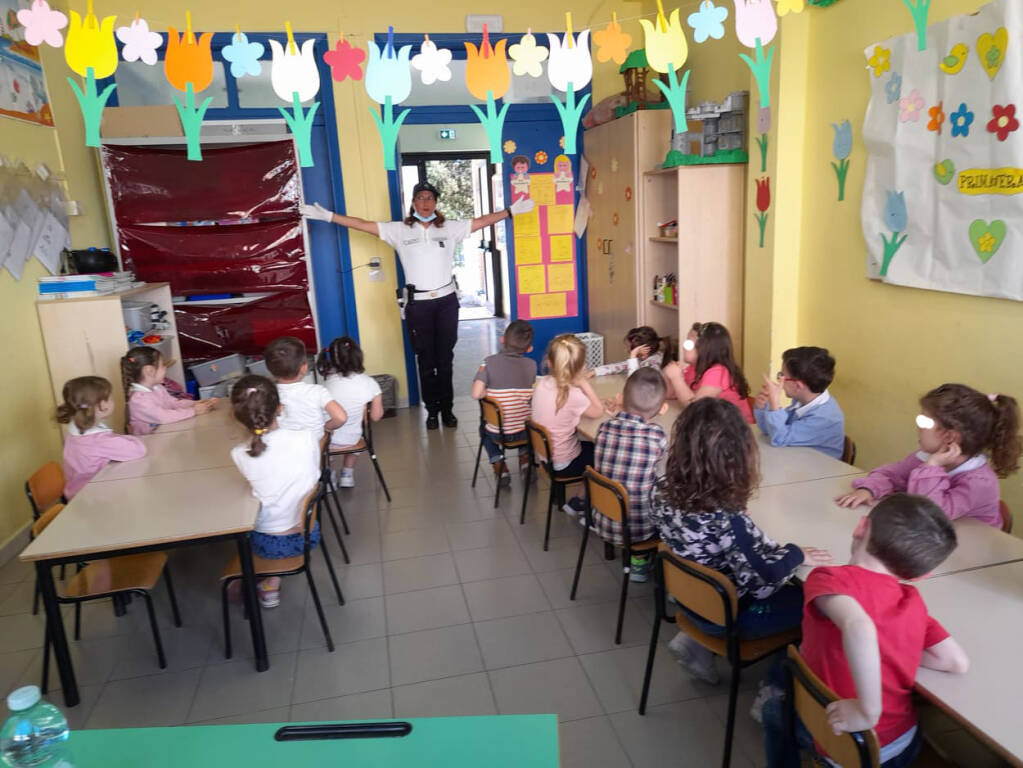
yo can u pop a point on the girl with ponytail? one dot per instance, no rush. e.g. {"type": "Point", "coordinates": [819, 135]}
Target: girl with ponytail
{"type": "Point", "coordinates": [147, 403]}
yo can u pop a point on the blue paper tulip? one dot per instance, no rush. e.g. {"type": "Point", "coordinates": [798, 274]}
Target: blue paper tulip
{"type": "Point", "coordinates": [843, 139]}
{"type": "Point", "coordinates": [895, 214]}
{"type": "Point", "coordinates": [388, 75]}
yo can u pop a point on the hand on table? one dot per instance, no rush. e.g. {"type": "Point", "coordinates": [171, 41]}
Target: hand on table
{"type": "Point", "coordinates": [856, 498]}
{"type": "Point", "coordinates": [589, 373]}
{"type": "Point", "coordinates": [948, 455]}
{"type": "Point", "coordinates": [613, 404]}
{"type": "Point", "coordinates": [205, 406]}
{"type": "Point", "coordinates": [316, 212]}
{"type": "Point", "coordinates": [847, 716]}
{"type": "Point", "coordinates": [816, 556]}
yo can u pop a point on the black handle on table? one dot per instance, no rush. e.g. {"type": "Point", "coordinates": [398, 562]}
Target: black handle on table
{"type": "Point", "coordinates": [342, 731]}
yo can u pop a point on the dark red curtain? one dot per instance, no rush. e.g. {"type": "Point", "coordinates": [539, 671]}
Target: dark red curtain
{"type": "Point", "coordinates": [212, 331]}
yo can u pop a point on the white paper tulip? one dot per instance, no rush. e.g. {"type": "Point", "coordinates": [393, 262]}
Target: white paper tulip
{"type": "Point", "coordinates": [294, 72]}
{"type": "Point", "coordinates": [569, 65]}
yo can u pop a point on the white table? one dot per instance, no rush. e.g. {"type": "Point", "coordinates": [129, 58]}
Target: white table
{"type": "Point", "coordinates": [220, 417]}
{"type": "Point", "coordinates": [983, 611]}
{"type": "Point", "coordinates": [171, 452]}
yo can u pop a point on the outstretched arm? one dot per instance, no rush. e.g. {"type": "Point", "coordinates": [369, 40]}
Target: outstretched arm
{"type": "Point", "coordinates": [318, 213]}
{"type": "Point", "coordinates": [519, 206]}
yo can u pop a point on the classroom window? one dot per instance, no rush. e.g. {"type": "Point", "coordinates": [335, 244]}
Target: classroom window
{"type": "Point", "coordinates": [139, 85]}
{"type": "Point", "coordinates": [257, 92]}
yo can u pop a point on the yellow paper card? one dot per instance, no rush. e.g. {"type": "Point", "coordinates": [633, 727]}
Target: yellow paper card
{"type": "Point", "coordinates": [561, 248]}
{"type": "Point", "coordinates": [561, 277]}
{"type": "Point", "coordinates": [527, 250]}
{"type": "Point", "coordinates": [527, 224]}
{"type": "Point", "coordinates": [548, 305]}
{"type": "Point", "coordinates": [541, 189]}
{"type": "Point", "coordinates": [559, 218]}
{"type": "Point", "coordinates": [532, 279]}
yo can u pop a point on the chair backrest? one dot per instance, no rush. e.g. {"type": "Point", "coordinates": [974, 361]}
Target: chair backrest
{"type": "Point", "coordinates": [490, 413]}
{"type": "Point", "coordinates": [702, 590]}
{"type": "Point", "coordinates": [811, 697]}
{"type": "Point", "coordinates": [1006, 514]}
{"type": "Point", "coordinates": [45, 487]}
{"type": "Point", "coordinates": [539, 441]}
{"type": "Point", "coordinates": [325, 449]}
{"type": "Point", "coordinates": [849, 451]}
{"type": "Point", "coordinates": [45, 519]}
{"type": "Point", "coordinates": [609, 497]}
{"type": "Point", "coordinates": [310, 508]}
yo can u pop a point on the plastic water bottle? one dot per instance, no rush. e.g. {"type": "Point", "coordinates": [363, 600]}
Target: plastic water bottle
{"type": "Point", "coordinates": [36, 731]}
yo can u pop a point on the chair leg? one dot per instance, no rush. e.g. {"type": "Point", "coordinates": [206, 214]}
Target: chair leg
{"type": "Point", "coordinates": [621, 601]}
{"type": "Point", "coordinates": [333, 575]}
{"type": "Point", "coordinates": [319, 610]}
{"type": "Point", "coordinates": [550, 510]}
{"type": "Point", "coordinates": [525, 492]}
{"type": "Point", "coordinates": [497, 495]}
{"type": "Point", "coordinates": [380, 476]}
{"type": "Point", "coordinates": [325, 505]}
{"type": "Point", "coordinates": [227, 617]}
{"type": "Point", "coordinates": [476, 471]}
{"type": "Point", "coordinates": [45, 682]}
{"type": "Point", "coordinates": [579, 564]}
{"type": "Point", "coordinates": [35, 600]}
{"type": "Point", "coordinates": [78, 620]}
{"type": "Point", "coordinates": [733, 696]}
{"type": "Point", "coordinates": [171, 596]}
{"type": "Point", "coordinates": [337, 503]}
{"type": "Point", "coordinates": [156, 630]}
{"type": "Point", "coordinates": [650, 656]}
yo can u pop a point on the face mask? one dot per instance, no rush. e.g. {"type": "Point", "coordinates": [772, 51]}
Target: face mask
{"type": "Point", "coordinates": [688, 345]}
{"type": "Point", "coordinates": [924, 422]}
{"type": "Point", "coordinates": [425, 219]}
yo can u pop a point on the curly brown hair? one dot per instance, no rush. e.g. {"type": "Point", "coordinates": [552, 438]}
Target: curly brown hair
{"type": "Point", "coordinates": [255, 402]}
{"type": "Point", "coordinates": [713, 461]}
{"type": "Point", "coordinates": [984, 423]}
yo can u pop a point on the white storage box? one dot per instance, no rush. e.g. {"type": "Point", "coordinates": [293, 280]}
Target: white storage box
{"type": "Point", "coordinates": [259, 368]}
{"type": "Point", "coordinates": [138, 315]}
{"type": "Point", "coordinates": [594, 348]}
{"type": "Point", "coordinates": [220, 389]}
{"type": "Point", "coordinates": [221, 369]}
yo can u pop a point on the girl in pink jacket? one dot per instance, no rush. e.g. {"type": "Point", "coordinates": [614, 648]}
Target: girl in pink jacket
{"type": "Point", "coordinates": [147, 403]}
{"type": "Point", "coordinates": [967, 441]}
{"type": "Point", "coordinates": [90, 443]}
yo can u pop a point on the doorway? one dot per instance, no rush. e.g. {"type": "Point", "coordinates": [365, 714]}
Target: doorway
{"type": "Point", "coordinates": [463, 179]}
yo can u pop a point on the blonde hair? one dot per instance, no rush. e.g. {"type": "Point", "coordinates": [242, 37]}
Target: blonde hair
{"type": "Point", "coordinates": [566, 358]}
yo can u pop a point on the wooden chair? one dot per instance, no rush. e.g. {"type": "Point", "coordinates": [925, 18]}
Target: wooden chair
{"type": "Point", "coordinates": [329, 494]}
{"type": "Point", "coordinates": [365, 444]}
{"type": "Point", "coordinates": [611, 499]}
{"type": "Point", "coordinates": [849, 451]}
{"type": "Point", "coordinates": [44, 489]}
{"type": "Point", "coordinates": [540, 455]}
{"type": "Point", "coordinates": [491, 413]}
{"type": "Point", "coordinates": [287, 566]}
{"type": "Point", "coordinates": [712, 595]}
{"type": "Point", "coordinates": [1006, 513]}
{"type": "Point", "coordinates": [98, 579]}
{"type": "Point", "coordinates": [808, 697]}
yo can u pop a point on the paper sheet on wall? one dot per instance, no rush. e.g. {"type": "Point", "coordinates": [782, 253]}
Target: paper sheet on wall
{"type": "Point", "coordinates": [532, 279]}
{"type": "Point", "coordinates": [561, 277]}
{"type": "Point", "coordinates": [20, 251]}
{"type": "Point", "coordinates": [583, 212]}
{"type": "Point", "coordinates": [548, 305]}
{"type": "Point", "coordinates": [6, 235]}
{"type": "Point", "coordinates": [53, 239]}
{"type": "Point", "coordinates": [943, 193]}
{"type": "Point", "coordinates": [584, 175]}
{"type": "Point", "coordinates": [560, 218]}
{"type": "Point", "coordinates": [562, 248]}
{"type": "Point", "coordinates": [528, 250]}
{"type": "Point", "coordinates": [527, 224]}
{"type": "Point", "coordinates": [541, 189]}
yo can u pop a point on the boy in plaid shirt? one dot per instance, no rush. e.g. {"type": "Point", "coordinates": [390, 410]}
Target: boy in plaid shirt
{"type": "Point", "coordinates": [628, 450]}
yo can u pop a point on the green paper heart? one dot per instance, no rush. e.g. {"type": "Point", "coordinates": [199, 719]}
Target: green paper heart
{"type": "Point", "coordinates": [944, 171]}
{"type": "Point", "coordinates": [987, 238]}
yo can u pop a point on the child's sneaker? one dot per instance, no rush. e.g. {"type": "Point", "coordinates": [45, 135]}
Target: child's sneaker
{"type": "Point", "coordinates": [574, 506]}
{"type": "Point", "coordinates": [697, 661]}
{"type": "Point", "coordinates": [501, 474]}
{"type": "Point", "coordinates": [269, 593]}
{"type": "Point", "coordinates": [640, 567]}
{"type": "Point", "coordinates": [347, 478]}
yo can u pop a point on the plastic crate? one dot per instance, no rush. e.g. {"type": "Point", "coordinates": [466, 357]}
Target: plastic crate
{"type": "Point", "coordinates": [259, 368]}
{"type": "Point", "coordinates": [594, 348]}
{"type": "Point", "coordinates": [221, 369]}
{"type": "Point", "coordinates": [389, 392]}
{"type": "Point", "coordinates": [220, 389]}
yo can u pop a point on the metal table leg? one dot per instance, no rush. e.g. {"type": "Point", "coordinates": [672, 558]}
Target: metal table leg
{"type": "Point", "coordinates": [58, 638]}
{"type": "Point", "coordinates": [251, 602]}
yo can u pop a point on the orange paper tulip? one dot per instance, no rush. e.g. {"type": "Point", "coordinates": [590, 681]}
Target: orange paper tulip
{"type": "Point", "coordinates": [486, 69]}
{"type": "Point", "coordinates": [188, 61]}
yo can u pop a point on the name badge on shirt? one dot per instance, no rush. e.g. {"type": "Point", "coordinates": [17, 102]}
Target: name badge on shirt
{"type": "Point", "coordinates": [442, 243]}
{"type": "Point", "coordinates": [413, 241]}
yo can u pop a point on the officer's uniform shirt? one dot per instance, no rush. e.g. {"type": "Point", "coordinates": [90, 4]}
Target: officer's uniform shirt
{"type": "Point", "coordinates": [427, 253]}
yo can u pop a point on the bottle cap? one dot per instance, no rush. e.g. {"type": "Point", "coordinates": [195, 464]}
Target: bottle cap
{"type": "Point", "coordinates": [23, 698]}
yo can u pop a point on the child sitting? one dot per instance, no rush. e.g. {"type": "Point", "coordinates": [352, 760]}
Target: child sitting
{"type": "Point", "coordinates": [148, 404]}
{"type": "Point", "coordinates": [628, 449]}
{"type": "Point", "coordinates": [699, 506]}
{"type": "Point", "coordinates": [90, 443]}
{"type": "Point", "coordinates": [560, 401]}
{"type": "Point", "coordinates": [507, 378]}
{"type": "Point", "coordinates": [282, 466]}
{"type": "Point", "coordinates": [710, 369]}
{"type": "Point", "coordinates": [813, 419]}
{"type": "Point", "coordinates": [345, 378]}
{"type": "Point", "coordinates": [956, 426]}
{"type": "Point", "coordinates": [645, 348]}
{"type": "Point", "coordinates": [306, 406]}
{"type": "Point", "coordinates": [865, 632]}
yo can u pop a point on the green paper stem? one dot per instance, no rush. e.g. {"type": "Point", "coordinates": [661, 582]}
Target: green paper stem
{"type": "Point", "coordinates": [91, 105]}
{"type": "Point", "coordinates": [841, 168]}
{"type": "Point", "coordinates": [761, 69]}
{"type": "Point", "coordinates": [570, 113]}
{"type": "Point", "coordinates": [493, 124]}
{"type": "Point", "coordinates": [762, 143]}
{"type": "Point", "coordinates": [762, 221]}
{"type": "Point", "coordinates": [920, 9]}
{"type": "Point", "coordinates": [191, 120]}
{"type": "Point", "coordinates": [890, 249]}
{"type": "Point", "coordinates": [675, 93]}
{"type": "Point", "coordinates": [388, 128]}
{"type": "Point", "coordinates": [301, 124]}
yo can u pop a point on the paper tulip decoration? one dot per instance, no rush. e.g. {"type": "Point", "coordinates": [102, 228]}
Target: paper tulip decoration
{"type": "Point", "coordinates": [569, 69]}
{"type": "Point", "coordinates": [763, 203]}
{"type": "Point", "coordinates": [388, 82]}
{"type": "Point", "coordinates": [842, 147]}
{"type": "Point", "coordinates": [667, 51]}
{"type": "Point", "coordinates": [487, 77]}
{"type": "Point", "coordinates": [189, 68]}
{"type": "Point", "coordinates": [897, 219]}
{"type": "Point", "coordinates": [91, 52]}
{"type": "Point", "coordinates": [756, 25]}
{"type": "Point", "coordinates": [295, 78]}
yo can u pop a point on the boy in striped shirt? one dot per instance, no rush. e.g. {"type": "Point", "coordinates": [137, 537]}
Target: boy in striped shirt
{"type": "Point", "coordinates": [508, 378]}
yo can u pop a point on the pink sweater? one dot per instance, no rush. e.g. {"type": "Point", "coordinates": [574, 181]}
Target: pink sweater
{"type": "Point", "coordinates": [86, 454]}
{"type": "Point", "coordinates": [969, 490]}
{"type": "Point", "coordinates": [149, 408]}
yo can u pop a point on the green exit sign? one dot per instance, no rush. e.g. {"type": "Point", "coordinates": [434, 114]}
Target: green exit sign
{"type": "Point", "coordinates": [447, 134]}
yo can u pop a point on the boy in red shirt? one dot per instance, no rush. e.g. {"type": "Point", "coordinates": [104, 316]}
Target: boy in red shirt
{"type": "Point", "coordinates": [865, 632]}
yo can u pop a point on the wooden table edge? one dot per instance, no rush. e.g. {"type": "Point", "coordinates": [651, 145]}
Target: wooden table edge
{"type": "Point", "coordinates": [131, 546]}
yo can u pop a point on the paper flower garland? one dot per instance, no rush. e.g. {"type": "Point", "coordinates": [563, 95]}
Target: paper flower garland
{"type": "Point", "coordinates": [896, 218]}
{"type": "Point", "coordinates": [842, 147]}
{"type": "Point", "coordinates": [388, 82]}
{"type": "Point", "coordinates": [528, 57]}
{"type": "Point", "coordinates": [570, 68]}
{"type": "Point", "coordinates": [612, 43]}
{"type": "Point", "coordinates": [919, 9]}
{"type": "Point", "coordinates": [140, 44]}
{"type": "Point", "coordinates": [42, 24]}
{"type": "Point", "coordinates": [432, 62]}
{"type": "Point", "coordinates": [243, 56]}
{"type": "Point", "coordinates": [345, 61]}
{"type": "Point", "coordinates": [91, 52]}
{"type": "Point", "coordinates": [188, 65]}
{"type": "Point", "coordinates": [708, 21]}
{"type": "Point", "coordinates": [487, 77]}
{"type": "Point", "coordinates": [667, 51]}
{"type": "Point", "coordinates": [295, 78]}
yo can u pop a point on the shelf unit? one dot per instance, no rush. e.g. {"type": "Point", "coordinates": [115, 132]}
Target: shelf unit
{"type": "Point", "coordinates": [87, 337]}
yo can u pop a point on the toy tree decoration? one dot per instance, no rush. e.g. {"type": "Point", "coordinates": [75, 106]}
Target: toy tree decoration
{"type": "Point", "coordinates": [388, 82]}
{"type": "Point", "coordinates": [635, 71]}
{"type": "Point", "coordinates": [189, 68]}
{"type": "Point", "coordinates": [487, 77]}
{"type": "Point", "coordinates": [667, 51]}
{"type": "Point", "coordinates": [91, 52]}
{"type": "Point", "coordinates": [295, 78]}
{"type": "Point", "coordinates": [570, 68]}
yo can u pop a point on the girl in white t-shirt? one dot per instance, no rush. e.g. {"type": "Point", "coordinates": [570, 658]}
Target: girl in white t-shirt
{"type": "Point", "coordinates": [282, 466]}
{"type": "Point", "coordinates": [340, 364]}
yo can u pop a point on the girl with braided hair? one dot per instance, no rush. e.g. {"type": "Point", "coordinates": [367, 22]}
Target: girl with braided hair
{"type": "Point", "coordinates": [147, 403]}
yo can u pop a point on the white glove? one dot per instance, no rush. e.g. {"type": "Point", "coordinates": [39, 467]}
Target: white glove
{"type": "Point", "coordinates": [316, 211]}
{"type": "Point", "coordinates": [522, 205]}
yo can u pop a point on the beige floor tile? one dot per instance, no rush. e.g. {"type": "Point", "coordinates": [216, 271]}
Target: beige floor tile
{"type": "Point", "coordinates": [477, 535]}
{"type": "Point", "coordinates": [235, 687]}
{"type": "Point", "coordinates": [491, 563]}
{"type": "Point", "coordinates": [426, 609]}
{"type": "Point", "coordinates": [275, 715]}
{"type": "Point", "coordinates": [559, 686]}
{"type": "Point", "coordinates": [419, 573]}
{"type": "Point", "coordinates": [355, 620]}
{"type": "Point", "coordinates": [430, 541]}
{"type": "Point", "coordinates": [434, 654]}
{"type": "Point", "coordinates": [681, 734]}
{"type": "Point", "coordinates": [596, 585]}
{"type": "Point", "coordinates": [508, 596]}
{"type": "Point", "coordinates": [358, 706]}
{"type": "Point", "coordinates": [465, 695]}
{"type": "Point", "coordinates": [351, 668]}
{"type": "Point", "coordinates": [146, 702]}
{"type": "Point", "coordinates": [591, 743]}
{"type": "Point", "coordinates": [523, 639]}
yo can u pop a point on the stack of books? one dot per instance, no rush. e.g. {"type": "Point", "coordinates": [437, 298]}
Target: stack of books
{"type": "Point", "coordinates": [79, 286]}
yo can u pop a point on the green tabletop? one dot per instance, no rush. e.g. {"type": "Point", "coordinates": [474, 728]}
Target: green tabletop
{"type": "Point", "coordinates": [512, 741]}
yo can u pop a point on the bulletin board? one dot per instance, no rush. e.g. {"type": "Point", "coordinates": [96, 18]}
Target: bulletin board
{"type": "Point", "coordinates": [23, 93]}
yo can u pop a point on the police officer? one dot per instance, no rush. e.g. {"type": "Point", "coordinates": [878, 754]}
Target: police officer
{"type": "Point", "coordinates": [425, 242]}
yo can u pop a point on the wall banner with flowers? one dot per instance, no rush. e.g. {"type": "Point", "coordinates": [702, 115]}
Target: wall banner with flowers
{"type": "Point", "coordinates": [943, 194]}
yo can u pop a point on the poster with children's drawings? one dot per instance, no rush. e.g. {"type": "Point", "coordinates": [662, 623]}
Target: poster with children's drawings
{"type": "Point", "coordinates": [22, 84]}
{"type": "Point", "coordinates": [943, 194]}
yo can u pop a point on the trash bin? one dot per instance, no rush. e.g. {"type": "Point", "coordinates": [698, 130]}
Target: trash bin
{"type": "Point", "coordinates": [389, 393]}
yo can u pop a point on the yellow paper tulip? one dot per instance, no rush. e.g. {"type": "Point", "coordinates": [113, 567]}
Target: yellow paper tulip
{"type": "Point", "coordinates": [665, 41]}
{"type": "Point", "coordinates": [91, 44]}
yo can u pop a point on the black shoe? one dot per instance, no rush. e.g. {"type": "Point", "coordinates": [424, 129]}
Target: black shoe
{"type": "Point", "coordinates": [449, 419]}
{"type": "Point", "coordinates": [431, 421]}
